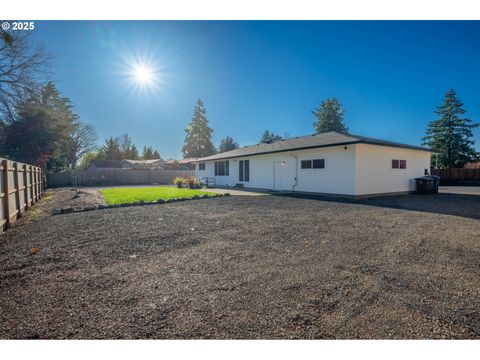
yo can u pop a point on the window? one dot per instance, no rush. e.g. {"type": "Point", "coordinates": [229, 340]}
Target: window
{"type": "Point", "coordinates": [313, 164]}
{"type": "Point", "coordinates": [306, 164]}
{"type": "Point", "coordinates": [201, 166]}
{"type": "Point", "coordinates": [399, 164]}
{"type": "Point", "coordinates": [244, 170]}
{"type": "Point", "coordinates": [221, 168]}
{"type": "Point", "coordinates": [318, 163]}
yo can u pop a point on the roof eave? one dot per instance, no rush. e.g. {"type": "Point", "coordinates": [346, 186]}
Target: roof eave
{"type": "Point", "coordinates": [410, 147]}
{"type": "Point", "coordinates": [277, 151]}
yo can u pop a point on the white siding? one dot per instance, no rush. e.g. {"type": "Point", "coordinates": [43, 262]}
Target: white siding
{"type": "Point", "coordinates": [358, 169]}
{"type": "Point", "coordinates": [374, 173]}
{"type": "Point", "coordinates": [337, 177]}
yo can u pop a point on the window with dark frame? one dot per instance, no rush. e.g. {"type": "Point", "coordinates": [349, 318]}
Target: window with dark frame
{"type": "Point", "coordinates": [222, 168]}
{"type": "Point", "coordinates": [201, 166]}
{"type": "Point", "coordinates": [318, 163]}
{"type": "Point", "coordinates": [244, 170]}
{"type": "Point", "coordinates": [399, 164]}
{"type": "Point", "coordinates": [313, 164]}
{"type": "Point", "coordinates": [306, 164]}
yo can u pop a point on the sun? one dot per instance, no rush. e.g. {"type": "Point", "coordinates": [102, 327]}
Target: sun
{"type": "Point", "coordinates": [143, 74]}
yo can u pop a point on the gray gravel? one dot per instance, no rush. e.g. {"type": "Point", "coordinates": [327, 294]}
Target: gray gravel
{"type": "Point", "coordinates": [243, 267]}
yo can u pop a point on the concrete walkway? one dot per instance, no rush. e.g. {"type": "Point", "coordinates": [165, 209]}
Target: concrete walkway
{"type": "Point", "coordinates": [466, 190]}
{"type": "Point", "coordinates": [237, 192]}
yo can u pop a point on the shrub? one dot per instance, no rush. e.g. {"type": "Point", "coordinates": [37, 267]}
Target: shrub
{"type": "Point", "coordinates": [192, 182]}
{"type": "Point", "coordinates": [178, 181]}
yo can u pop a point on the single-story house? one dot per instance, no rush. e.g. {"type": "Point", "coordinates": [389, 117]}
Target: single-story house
{"type": "Point", "coordinates": [104, 164]}
{"type": "Point", "coordinates": [143, 164]}
{"type": "Point", "coordinates": [324, 163]}
{"type": "Point", "coordinates": [182, 164]}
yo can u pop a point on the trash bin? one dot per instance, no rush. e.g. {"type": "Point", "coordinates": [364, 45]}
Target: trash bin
{"type": "Point", "coordinates": [421, 185]}
{"type": "Point", "coordinates": [436, 182]}
{"type": "Point", "coordinates": [427, 184]}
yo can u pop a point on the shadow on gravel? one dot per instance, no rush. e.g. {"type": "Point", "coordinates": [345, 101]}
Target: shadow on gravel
{"type": "Point", "coordinates": [464, 205]}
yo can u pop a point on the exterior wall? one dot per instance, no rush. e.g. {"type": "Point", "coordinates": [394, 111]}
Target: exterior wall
{"type": "Point", "coordinates": [374, 173]}
{"type": "Point", "coordinates": [338, 176]}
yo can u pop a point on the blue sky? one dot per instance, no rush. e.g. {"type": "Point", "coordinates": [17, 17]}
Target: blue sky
{"type": "Point", "coordinates": [257, 75]}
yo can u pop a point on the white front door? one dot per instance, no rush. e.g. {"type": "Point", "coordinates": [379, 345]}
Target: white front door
{"type": "Point", "coordinates": [280, 175]}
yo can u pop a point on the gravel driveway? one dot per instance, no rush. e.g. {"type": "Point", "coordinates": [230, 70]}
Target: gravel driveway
{"type": "Point", "coordinates": [243, 267]}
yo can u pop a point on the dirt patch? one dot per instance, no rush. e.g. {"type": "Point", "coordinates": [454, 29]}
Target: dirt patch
{"type": "Point", "coordinates": [57, 199]}
{"type": "Point", "coordinates": [86, 197]}
{"type": "Point", "coordinates": [243, 267]}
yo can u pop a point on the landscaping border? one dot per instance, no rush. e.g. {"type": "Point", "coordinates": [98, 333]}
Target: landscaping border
{"type": "Point", "coordinates": [69, 210]}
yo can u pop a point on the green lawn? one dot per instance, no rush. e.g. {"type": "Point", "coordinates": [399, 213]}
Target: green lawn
{"type": "Point", "coordinates": [148, 194]}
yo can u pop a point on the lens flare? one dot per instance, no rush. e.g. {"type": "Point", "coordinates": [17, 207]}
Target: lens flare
{"type": "Point", "coordinates": [143, 75]}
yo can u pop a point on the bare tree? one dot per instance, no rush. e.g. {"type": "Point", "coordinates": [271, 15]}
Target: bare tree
{"type": "Point", "coordinates": [83, 140]}
{"type": "Point", "coordinates": [125, 144]}
{"type": "Point", "coordinates": [22, 67]}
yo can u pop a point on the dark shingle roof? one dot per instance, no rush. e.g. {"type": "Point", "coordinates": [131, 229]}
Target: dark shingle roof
{"type": "Point", "coordinates": [326, 139]}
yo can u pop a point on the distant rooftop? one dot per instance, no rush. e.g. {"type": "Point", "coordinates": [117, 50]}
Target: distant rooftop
{"type": "Point", "coordinates": [318, 140]}
{"type": "Point", "coordinates": [153, 161]}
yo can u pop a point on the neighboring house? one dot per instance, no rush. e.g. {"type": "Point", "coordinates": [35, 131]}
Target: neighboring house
{"type": "Point", "coordinates": [143, 164]}
{"type": "Point", "coordinates": [328, 163]}
{"type": "Point", "coordinates": [104, 164]}
{"type": "Point", "coordinates": [183, 164]}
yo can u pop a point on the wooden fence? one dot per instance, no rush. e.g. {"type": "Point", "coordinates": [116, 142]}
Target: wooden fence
{"type": "Point", "coordinates": [21, 186]}
{"type": "Point", "coordinates": [106, 177]}
{"type": "Point", "coordinates": [455, 175]}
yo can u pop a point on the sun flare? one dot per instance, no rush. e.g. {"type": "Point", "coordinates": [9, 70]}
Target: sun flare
{"type": "Point", "coordinates": [143, 74]}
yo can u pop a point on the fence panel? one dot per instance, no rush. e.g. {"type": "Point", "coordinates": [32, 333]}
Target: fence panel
{"type": "Point", "coordinates": [109, 177]}
{"type": "Point", "coordinates": [18, 190]}
{"type": "Point", "coordinates": [457, 174]}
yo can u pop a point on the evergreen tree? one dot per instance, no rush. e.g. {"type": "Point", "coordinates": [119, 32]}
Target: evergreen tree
{"type": "Point", "coordinates": [329, 117]}
{"type": "Point", "coordinates": [269, 137]}
{"type": "Point", "coordinates": [47, 120]}
{"type": "Point", "coordinates": [132, 153]}
{"type": "Point", "coordinates": [110, 150]}
{"type": "Point", "coordinates": [149, 154]}
{"type": "Point", "coordinates": [451, 134]}
{"type": "Point", "coordinates": [198, 139]}
{"type": "Point", "coordinates": [227, 144]}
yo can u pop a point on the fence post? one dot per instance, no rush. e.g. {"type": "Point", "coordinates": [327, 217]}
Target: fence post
{"type": "Point", "coordinates": [6, 189]}
{"type": "Point", "coordinates": [25, 186]}
{"type": "Point", "coordinates": [40, 182]}
{"type": "Point", "coordinates": [16, 184]}
{"type": "Point", "coordinates": [32, 174]}
{"type": "Point", "coordinates": [36, 184]}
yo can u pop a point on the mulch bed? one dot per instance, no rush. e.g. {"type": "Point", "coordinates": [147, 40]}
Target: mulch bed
{"type": "Point", "coordinates": [242, 267]}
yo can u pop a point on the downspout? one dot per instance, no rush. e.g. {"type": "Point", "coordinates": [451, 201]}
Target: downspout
{"type": "Point", "coordinates": [296, 171]}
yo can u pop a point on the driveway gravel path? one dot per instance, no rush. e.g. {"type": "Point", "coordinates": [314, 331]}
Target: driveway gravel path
{"type": "Point", "coordinates": [243, 267]}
